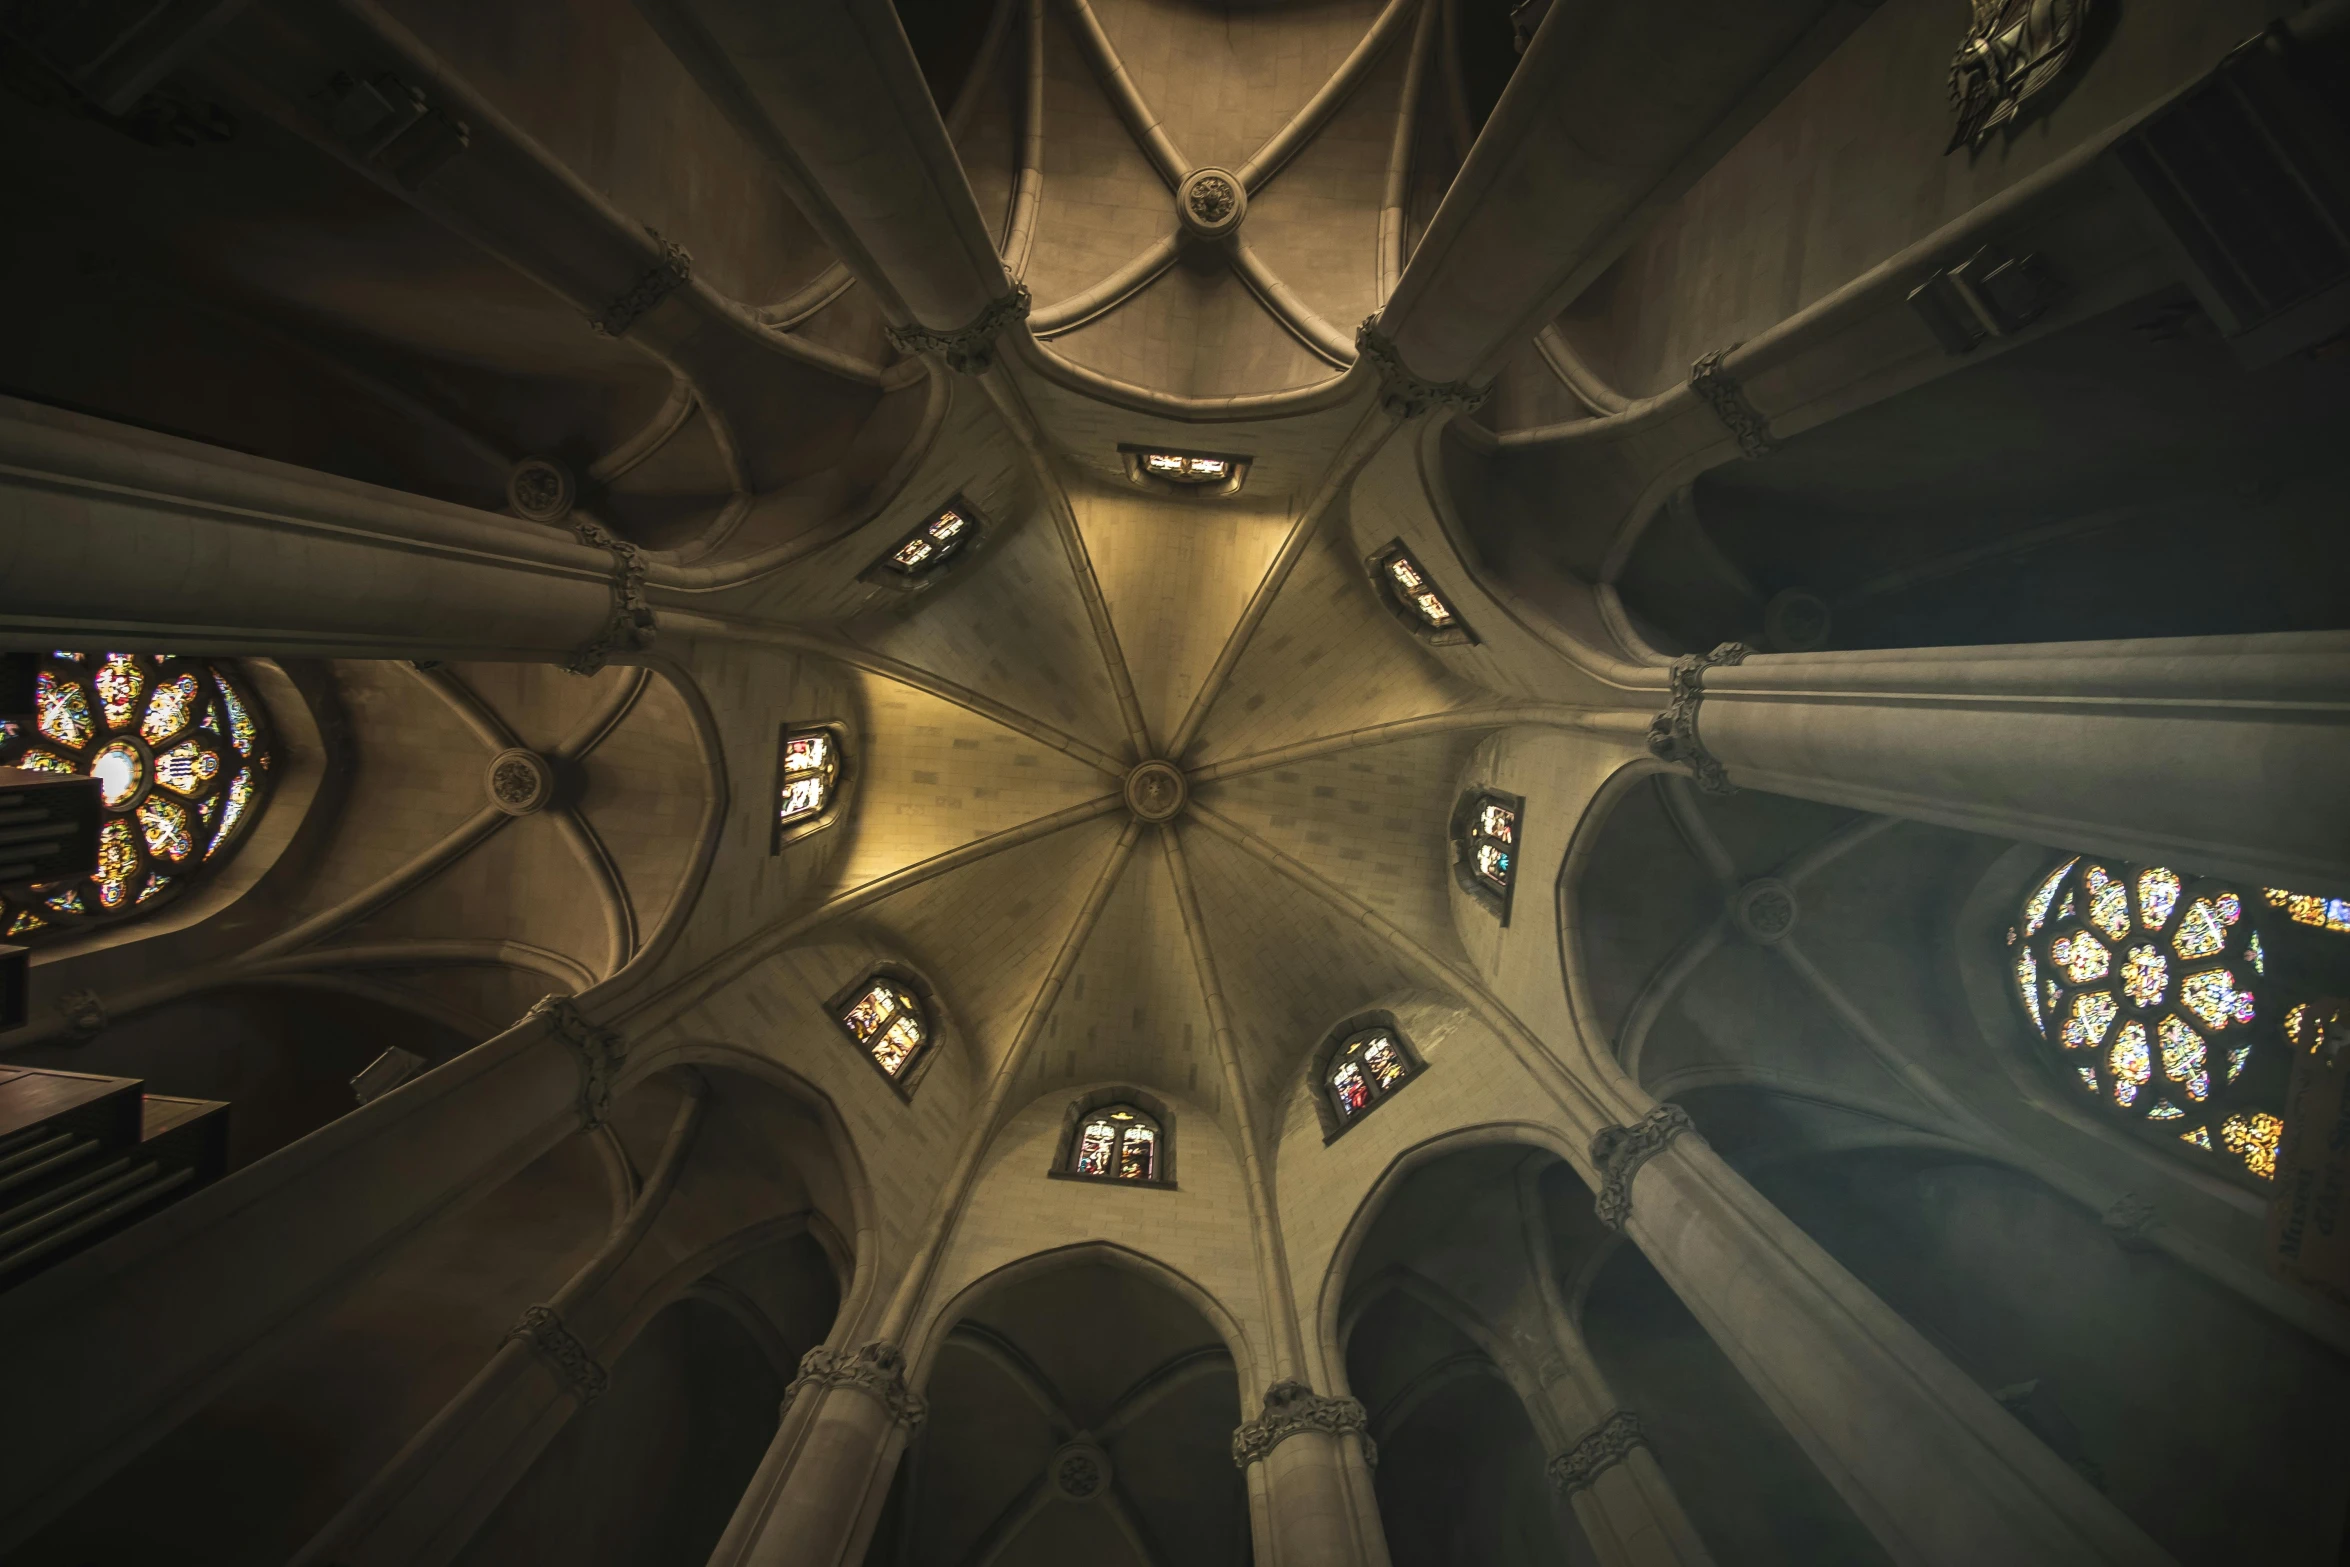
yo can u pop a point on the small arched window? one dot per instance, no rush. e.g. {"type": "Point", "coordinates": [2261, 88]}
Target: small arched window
{"type": "Point", "coordinates": [1364, 1070]}
{"type": "Point", "coordinates": [809, 772]}
{"type": "Point", "coordinates": [1486, 829]}
{"type": "Point", "coordinates": [181, 752]}
{"type": "Point", "coordinates": [2166, 1004]}
{"type": "Point", "coordinates": [1116, 1142]}
{"type": "Point", "coordinates": [1409, 592]}
{"type": "Point", "coordinates": [889, 1023]}
{"type": "Point", "coordinates": [917, 558]}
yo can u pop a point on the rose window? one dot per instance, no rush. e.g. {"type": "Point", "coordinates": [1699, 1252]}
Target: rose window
{"type": "Point", "coordinates": [2145, 981]}
{"type": "Point", "coordinates": [180, 750]}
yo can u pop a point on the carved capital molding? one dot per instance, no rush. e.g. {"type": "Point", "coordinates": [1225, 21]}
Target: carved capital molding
{"type": "Point", "coordinates": [1672, 734]}
{"type": "Point", "coordinates": [1722, 393]}
{"type": "Point", "coordinates": [545, 1332]}
{"type": "Point", "coordinates": [2131, 1220]}
{"type": "Point", "coordinates": [1291, 1409]}
{"type": "Point", "coordinates": [665, 278]}
{"type": "Point", "coordinates": [1618, 1152]}
{"type": "Point", "coordinates": [630, 624]}
{"type": "Point", "coordinates": [970, 349]}
{"type": "Point", "coordinates": [1600, 1449]}
{"type": "Point", "coordinates": [601, 1053]}
{"type": "Point", "coordinates": [1403, 394]}
{"type": "Point", "coordinates": [878, 1370]}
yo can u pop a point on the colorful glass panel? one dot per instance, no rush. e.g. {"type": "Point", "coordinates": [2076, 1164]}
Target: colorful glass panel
{"type": "Point", "coordinates": [1493, 863]}
{"type": "Point", "coordinates": [1384, 1060]}
{"type": "Point", "coordinates": [2109, 902]}
{"type": "Point", "coordinates": [62, 709]}
{"type": "Point", "coordinates": [2036, 906]}
{"type": "Point", "coordinates": [165, 824]}
{"type": "Point", "coordinates": [2184, 1058]}
{"type": "Point", "coordinates": [2158, 894]}
{"type": "Point", "coordinates": [186, 768]}
{"type": "Point", "coordinates": [2200, 1137]}
{"type": "Point", "coordinates": [2212, 996]}
{"type": "Point", "coordinates": [1350, 1089]}
{"type": "Point", "coordinates": [1498, 822]}
{"type": "Point", "coordinates": [2202, 933]}
{"type": "Point", "coordinates": [898, 1044]}
{"type": "Point", "coordinates": [25, 923]}
{"type": "Point", "coordinates": [2254, 955]}
{"type": "Point", "coordinates": [2131, 1064]}
{"type": "Point", "coordinates": [1095, 1147]}
{"type": "Point", "coordinates": [121, 771]}
{"type": "Point", "coordinates": [169, 709]}
{"type": "Point", "coordinates": [120, 681]}
{"type": "Point", "coordinates": [2254, 1138]}
{"type": "Point", "coordinates": [44, 762]}
{"type": "Point", "coordinates": [1417, 594]}
{"type": "Point", "coordinates": [2145, 976]}
{"type": "Point", "coordinates": [2092, 1015]}
{"type": "Point", "coordinates": [2083, 958]}
{"type": "Point", "coordinates": [243, 732]}
{"type": "Point", "coordinates": [1138, 1154]}
{"type": "Point", "coordinates": [2164, 1110]}
{"type": "Point", "coordinates": [118, 863]}
{"type": "Point", "coordinates": [2027, 981]}
{"type": "Point", "coordinates": [2238, 1057]}
{"type": "Point", "coordinates": [242, 791]}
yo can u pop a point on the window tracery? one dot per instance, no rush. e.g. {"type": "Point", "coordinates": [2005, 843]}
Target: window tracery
{"type": "Point", "coordinates": [922, 554]}
{"type": "Point", "coordinates": [181, 752]}
{"type": "Point", "coordinates": [1486, 827]}
{"type": "Point", "coordinates": [1193, 473]}
{"type": "Point", "coordinates": [1409, 592]}
{"type": "Point", "coordinates": [809, 772]}
{"type": "Point", "coordinates": [1365, 1069]}
{"type": "Point", "coordinates": [2159, 993]}
{"type": "Point", "coordinates": [889, 1023]}
{"type": "Point", "coordinates": [1117, 1142]}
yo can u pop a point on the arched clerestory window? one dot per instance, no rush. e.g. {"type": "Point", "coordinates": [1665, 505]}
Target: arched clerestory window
{"type": "Point", "coordinates": [1486, 828]}
{"type": "Point", "coordinates": [811, 767]}
{"type": "Point", "coordinates": [1365, 1068]}
{"type": "Point", "coordinates": [2169, 1001]}
{"type": "Point", "coordinates": [1117, 1142]}
{"type": "Point", "coordinates": [181, 751]}
{"type": "Point", "coordinates": [885, 1014]}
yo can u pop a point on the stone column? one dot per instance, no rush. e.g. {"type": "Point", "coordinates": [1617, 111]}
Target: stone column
{"type": "Point", "coordinates": [819, 1491]}
{"type": "Point", "coordinates": [1308, 1462]}
{"type": "Point", "coordinates": [141, 1330]}
{"type": "Point", "coordinates": [1612, 112]}
{"type": "Point", "coordinates": [2219, 754]}
{"type": "Point", "coordinates": [109, 533]}
{"type": "Point", "coordinates": [840, 108]}
{"type": "Point", "coordinates": [1606, 1471]}
{"type": "Point", "coordinates": [1928, 1461]}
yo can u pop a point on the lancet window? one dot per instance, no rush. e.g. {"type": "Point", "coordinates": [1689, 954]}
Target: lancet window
{"type": "Point", "coordinates": [1364, 1070]}
{"type": "Point", "coordinates": [181, 751]}
{"type": "Point", "coordinates": [889, 1023]}
{"type": "Point", "coordinates": [1413, 596]}
{"type": "Point", "coordinates": [1487, 825]}
{"type": "Point", "coordinates": [923, 553]}
{"type": "Point", "coordinates": [1116, 1143]}
{"type": "Point", "coordinates": [2170, 1003]}
{"type": "Point", "coordinates": [809, 774]}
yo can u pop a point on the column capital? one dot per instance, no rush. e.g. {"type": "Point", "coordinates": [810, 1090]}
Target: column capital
{"type": "Point", "coordinates": [1618, 1152]}
{"type": "Point", "coordinates": [877, 1370]}
{"type": "Point", "coordinates": [544, 1331]}
{"type": "Point", "coordinates": [1291, 1409]}
{"type": "Point", "coordinates": [1720, 391]}
{"type": "Point", "coordinates": [1401, 392]}
{"type": "Point", "coordinates": [601, 1052]}
{"type": "Point", "coordinates": [1598, 1450]}
{"type": "Point", "coordinates": [630, 624]}
{"type": "Point", "coordinates": [1672, 734]}
{"type": "Point", "coordinates": [970, 348]}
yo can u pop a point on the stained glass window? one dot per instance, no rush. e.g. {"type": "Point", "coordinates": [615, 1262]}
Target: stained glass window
{"type": "Point", "coordinates": [808, 779]}
{"type": "Point", "coordinates": [1423, 606]}
{"type": "Point", "coordinates": [1487, 828]}
{"type": "Point", "coordinates": [888, 1022]}
{"type": "Point", "coordinates": [2142, 981]}
{"type": "Point", "coordinates": [1116, 1143]}
{"type": "Point", "coordinates": [2304, 908]}
{"type": "Point", "coordinates": [181, 753]}
{"type": "Point", "coordinates": [1185, 468]}
{"type": "Point", "coordinates": [1365, 1069]}
{"type": "Point", "coordinates": [930, 546]}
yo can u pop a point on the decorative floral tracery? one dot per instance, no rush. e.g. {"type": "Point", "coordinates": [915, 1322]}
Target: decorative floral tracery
{"type": "Point", "coordinates": [1116, 1143]}
{"type": "Point", "coordinates": [180, 749]}
{"type": "Point", "coordinates": [2145, 981]}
